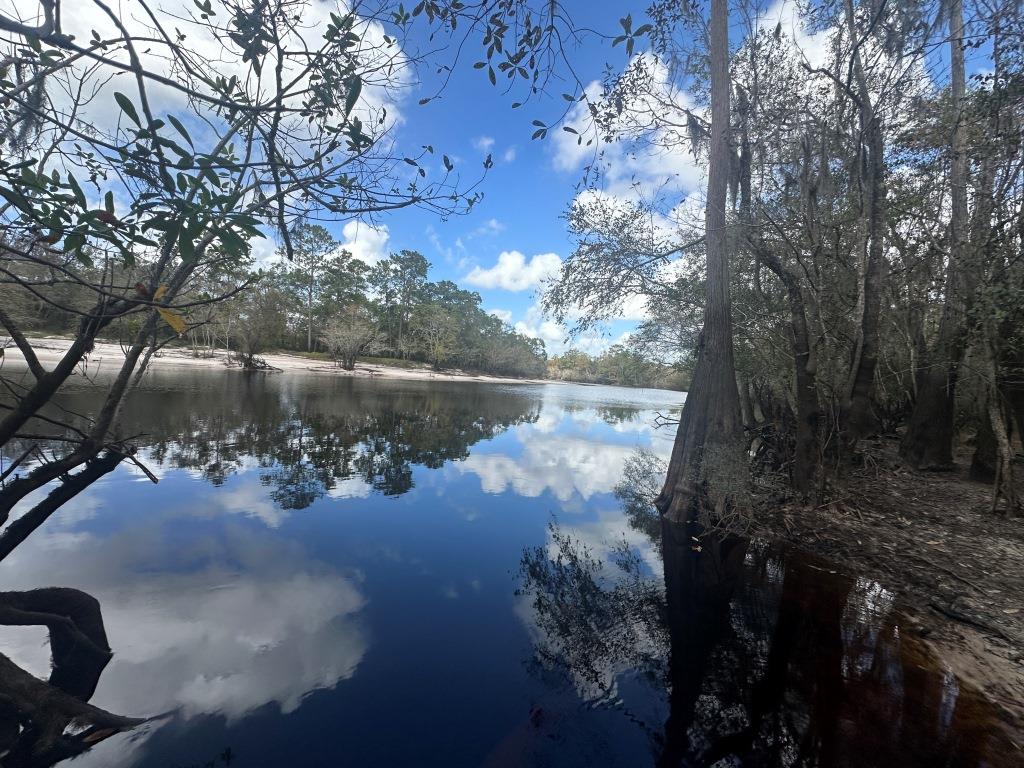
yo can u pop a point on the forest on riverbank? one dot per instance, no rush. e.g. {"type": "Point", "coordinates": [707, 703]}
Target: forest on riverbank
{"type": "Point", "coordinates": [851, 269]}
{"type": "Point", "coordinates": [831, 248]}
{"type": "Point", "coordinates": [326, 302]}
{"type": "Point", "coordinates": [855, 269]}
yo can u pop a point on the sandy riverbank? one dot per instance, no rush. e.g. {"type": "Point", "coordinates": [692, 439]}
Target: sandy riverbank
{"type": "Point", "coordinates": [107, 356]}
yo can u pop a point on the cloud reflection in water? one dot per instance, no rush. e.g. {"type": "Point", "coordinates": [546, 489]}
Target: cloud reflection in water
{"type": "Point", "coordinates": [257, 622]}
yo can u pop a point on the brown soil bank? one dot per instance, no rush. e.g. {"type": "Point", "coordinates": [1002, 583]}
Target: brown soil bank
{"type": "Point", "coordinates": [960, 568]}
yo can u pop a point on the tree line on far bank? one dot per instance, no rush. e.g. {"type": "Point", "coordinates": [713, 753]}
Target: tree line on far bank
{"type": "Point", "coordinates": [327, 302]}
{"type": "Point", "coordinates": [324, 300]}
{"type": "Point", "coordinates": [620, 366]}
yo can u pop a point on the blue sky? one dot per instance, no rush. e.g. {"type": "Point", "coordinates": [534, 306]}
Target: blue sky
{"type": "Point", "coordinates": [516, 236]}
{"type": "Point", "coordinates": [525, 193]}
{"type": "Point", "coordinates": [510, 241]}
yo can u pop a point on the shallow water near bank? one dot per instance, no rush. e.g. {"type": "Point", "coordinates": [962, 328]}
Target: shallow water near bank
{"type": "Point", "coordinates": [339, 572]}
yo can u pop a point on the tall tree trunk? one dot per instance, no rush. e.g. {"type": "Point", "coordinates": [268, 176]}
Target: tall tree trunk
{"type": "Point", "coordinates": [858, 413]}
{"type": "Point", "coordinates": [309, 317]}
{"type": "Point", "coordinates": [746, 403]}
{"type": "Point", "coordinates": [983, 462]}
{"type": "Point", "coordinates": [928, 443]}
{"type": "Point", "coordinates": [398, 346]}
{"type": "Point", "coordinates": [708, 468]}
{"type": "Point", "coordinates": [1005, 480]}
{"type": "Point", "coordinates": [1012, 387]}
{"type": "Point", "coordinates": [805, 388]}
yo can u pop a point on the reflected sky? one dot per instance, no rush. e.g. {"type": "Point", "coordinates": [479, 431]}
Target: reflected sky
{"type": "Point", "coordinates": [348, 572]}
{"type": "Point", "coordinates": [327, 565]}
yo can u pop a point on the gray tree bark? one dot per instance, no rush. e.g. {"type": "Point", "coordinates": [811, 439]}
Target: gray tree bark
{"type": "Point", "coordinates": [858, 413]}
{"type": "Point", "coordinates": [708, 470]}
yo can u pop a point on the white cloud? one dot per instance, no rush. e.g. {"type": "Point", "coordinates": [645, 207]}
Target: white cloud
{"type": "Point", "coordinates": [559, 456]}
{"type": "Point", "coordinates": [252, 500]}
{"type": "Point", "coordinates": [451, 253]}
{"type": "Point", "coordinates": [504, 315]}
{"type": "Point", "coordinates": [388, 71]}
{"type": "Point", "coordinates": [555, 335]}
{"type": "Point", "coordinates": [484, 144]}
{"type": "Point", "coordinates": [570, 153]}
{"type": "Point", "coordinates": [593, 341]}
{"type": "Point", "coordinates": [264, 250]}
{"type": "Point", "coordinates": [387, 77]}
{"type": "Point", "coordinates": [365, 241]}
{"type": "Point", "coordinates": [634, 308]}
{"type": "Point", "coordinates": [441, 248]}
{"type": "Point", "coordinates": [490, 227]}
{"type": "Point", "coordinates": [513, 272]}
{"type": "Point", "coordinates": [563, 466]}
{"type": "Point", "coordinates": [350, 488]}
{"type": "Point", "coordinates": [639, 163]}
{"type": "Point", "coordinates": [551, 333]}
{"type": "Point", "coordinates": [813, 45]}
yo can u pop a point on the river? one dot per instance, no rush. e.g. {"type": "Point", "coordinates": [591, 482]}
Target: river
{"type": "Point", "coordinates": [351, 572]}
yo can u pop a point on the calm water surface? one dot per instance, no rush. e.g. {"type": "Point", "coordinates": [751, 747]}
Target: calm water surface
{"type": "Point", "coordinates": [338, 572]}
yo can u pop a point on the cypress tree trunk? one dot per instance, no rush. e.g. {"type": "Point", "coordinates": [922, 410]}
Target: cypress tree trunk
{"type": "Point", "coordinates": [708, 467]}
{"type": "Point", "coordinates": [928, 443]}
{"type": "Point", "coordinates": [1012, 387]}
{"type": "Point", "coordinates": [1005, 482]}
{"type": "Point", "coordinates": [858, 413]}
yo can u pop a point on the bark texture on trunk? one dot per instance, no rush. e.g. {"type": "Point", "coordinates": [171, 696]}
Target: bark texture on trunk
{"type": "Point", "coordinates": [859, 418]}
{"type": "Point", "coordinates": [1005, 481]}
{"type": "Point", "coordinates": [983, 462]}
{"type": "Point", "coordinates": [708, 467]}
{"type": "Point", "coordinates": [746, 404]}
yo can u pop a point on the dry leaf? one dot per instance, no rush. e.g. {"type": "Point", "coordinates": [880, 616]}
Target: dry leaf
{"type": "Point", "coordinates": [174, 319]}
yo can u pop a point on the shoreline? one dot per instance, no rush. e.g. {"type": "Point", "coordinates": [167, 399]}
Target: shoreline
{"type": "Point", "coordinates": [106, 354]}
{"type": "Point", "coordinates": [955, 568]}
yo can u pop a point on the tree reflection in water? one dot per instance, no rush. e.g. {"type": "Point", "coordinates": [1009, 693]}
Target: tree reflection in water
{"type": "Point", "coordinates": [306, 446]}
{"type": "Point", "coordinates": [306, 441]}
{"type": "Point", "coordinates": [42, 723]}
{"type": "Point", "coordinates": [756, 657]}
